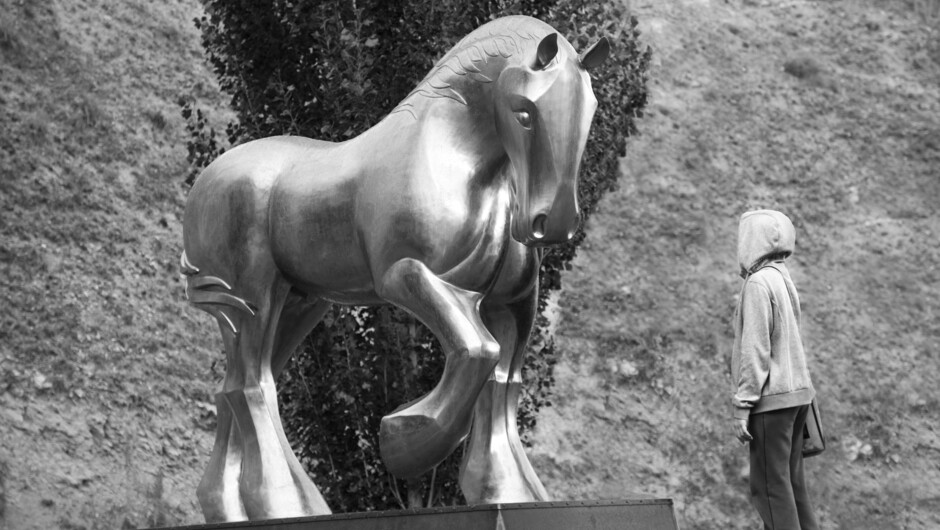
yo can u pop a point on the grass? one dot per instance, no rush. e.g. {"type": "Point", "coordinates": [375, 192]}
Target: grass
{"type": "Point", "coordinates": [4, 471]}
{"type": "Point", "coordinates": [928, 9]}
{"type": "Point", "coordinates": [93, 324]}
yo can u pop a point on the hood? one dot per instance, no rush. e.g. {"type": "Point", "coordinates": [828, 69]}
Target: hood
{"type": "Point", "coordinates": [761, 233]}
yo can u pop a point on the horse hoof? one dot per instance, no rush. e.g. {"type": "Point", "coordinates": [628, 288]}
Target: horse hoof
{"type": "Point", "coordinates": [411, 445]}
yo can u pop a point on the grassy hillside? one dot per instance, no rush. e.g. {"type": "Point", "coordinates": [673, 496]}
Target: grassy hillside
{"type": "Point", "coordinates": [104, 371]}
{"type": "Point", "coordinates": [829, 111]}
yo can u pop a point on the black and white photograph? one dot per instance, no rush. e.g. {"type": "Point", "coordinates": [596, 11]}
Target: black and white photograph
{"type": "Point", "coordinates": [467, 265]}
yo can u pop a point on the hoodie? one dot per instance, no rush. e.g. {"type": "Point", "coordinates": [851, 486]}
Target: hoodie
{"type": "Point", "coordinates": [768, 364]}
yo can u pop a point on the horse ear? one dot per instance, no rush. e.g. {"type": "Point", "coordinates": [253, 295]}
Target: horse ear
{"type": "Point", "coordinates": [548, 48]}
{"type": "Point", "coordinates": [596, 54]}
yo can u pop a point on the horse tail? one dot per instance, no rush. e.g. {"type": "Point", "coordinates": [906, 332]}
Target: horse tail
{"type": "Point", "coordinates": [212, 294]}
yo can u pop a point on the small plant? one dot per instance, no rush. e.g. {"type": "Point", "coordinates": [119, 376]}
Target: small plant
{"type": "Point", "coordinates": [86, 114]}
{"type": "Point", "coordinates": [9, 42]}
{"type": "Point", "coordinates": [802, 68]}
{"type": "Point", "coordinates": [157, 119]}
{"type": "Point", "coordinates": [807, 69]}
{"type": "Point", "coordinates": [203, 146]}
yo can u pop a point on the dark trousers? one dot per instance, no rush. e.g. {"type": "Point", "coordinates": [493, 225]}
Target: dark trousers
{"type": "Point", "coordinates": [778, 490]}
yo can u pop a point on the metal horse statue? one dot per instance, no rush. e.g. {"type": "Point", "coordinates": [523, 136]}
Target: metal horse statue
{"type": "Point", "coordinates": [440, 209]}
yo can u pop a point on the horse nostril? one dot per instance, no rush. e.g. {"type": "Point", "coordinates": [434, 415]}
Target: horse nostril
{"type": "Point", "coordinates": [575, 223]}
{"type": "Point", "coordinates": [538, 226]}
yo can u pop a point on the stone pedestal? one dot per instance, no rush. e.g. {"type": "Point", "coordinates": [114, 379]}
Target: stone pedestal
{"type": "Point", "coordinates": [628, 514]}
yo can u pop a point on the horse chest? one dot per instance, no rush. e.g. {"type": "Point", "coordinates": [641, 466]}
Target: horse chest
{"type": "Point", "coordinates": [498, 266]}
{"type": "Point", "coordinates": [472, 245]}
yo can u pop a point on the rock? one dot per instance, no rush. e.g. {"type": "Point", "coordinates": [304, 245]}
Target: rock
{"type": "Point", "coordinates": [170, 451]}
{"type": "Point", "coordinates": [851, 446]}
{"type": "Point", "coordinates": [627, 369]}
{"type": "Point", "coordinates": [77, 475]}
{"type": "Point", "coordinates": [41, 382]}
{"type": "Point", "coordinates": [855, 448]}
{"type": "Point", "coordinates": [12, 417]}
{"type": "Point", "coordinates": [95, 431]}
{"type": "Point", "coordinates": [70, 427]}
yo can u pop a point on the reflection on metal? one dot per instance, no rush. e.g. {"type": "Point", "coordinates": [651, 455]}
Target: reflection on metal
{"type": "Point", "coordinates": [628, 514]}
{"type": "Point", "coordinates": [187, 268]}
{"type": "Point", "coordinates": [442, 209]}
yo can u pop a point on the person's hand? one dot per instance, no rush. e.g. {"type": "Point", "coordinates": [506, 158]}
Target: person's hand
{"type": "Point", "coordinates": [740, 431]}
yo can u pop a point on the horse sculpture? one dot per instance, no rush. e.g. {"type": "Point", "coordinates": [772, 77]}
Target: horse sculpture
{"type": "Point", "coordinates": [442, 209]}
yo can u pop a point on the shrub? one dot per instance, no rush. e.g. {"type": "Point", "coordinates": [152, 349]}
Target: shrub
{"type": "Point", "coordinates": [802, 67]}
{"type": "Point", "coordinates": [330, 69]}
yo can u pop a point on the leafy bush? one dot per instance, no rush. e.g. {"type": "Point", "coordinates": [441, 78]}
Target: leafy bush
{"type": "Point", "coordinates": [330, 69]}
{"type": "Point", "coordinates": [802, 67]}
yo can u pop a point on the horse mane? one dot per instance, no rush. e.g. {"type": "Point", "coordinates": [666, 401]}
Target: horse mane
{"type": "Point", "coordinates": [472, 59]}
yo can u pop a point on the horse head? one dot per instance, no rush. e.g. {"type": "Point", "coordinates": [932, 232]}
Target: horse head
{"type": "Point", "coordinates": [544, 108]}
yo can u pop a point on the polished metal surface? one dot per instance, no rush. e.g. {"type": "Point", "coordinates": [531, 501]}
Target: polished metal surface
{"type": "Point", "coordinates": [442, 209]}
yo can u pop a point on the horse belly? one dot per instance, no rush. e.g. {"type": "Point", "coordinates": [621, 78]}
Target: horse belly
{"type": "Point", "coordinates": [315, 243]}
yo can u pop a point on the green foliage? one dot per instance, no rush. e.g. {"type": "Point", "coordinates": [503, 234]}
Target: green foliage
{"type": "Point", "coordinates": [356, 367]}
{"type": "Point", "coordinates": [330, 70]}
{"type": "Point", "coordinates": [620, 87]}
{"type": "Point", "coordinates": [929, 9]}
{"type": "Point", "coordinates": [203, 147]}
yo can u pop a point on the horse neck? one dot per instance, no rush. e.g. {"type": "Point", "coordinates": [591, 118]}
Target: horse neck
{"type": "Point", "coordinates": [457, 121]}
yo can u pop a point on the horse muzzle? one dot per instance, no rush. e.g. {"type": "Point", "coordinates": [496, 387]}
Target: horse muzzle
{"type": "Point", "coordinates": [547, 227]}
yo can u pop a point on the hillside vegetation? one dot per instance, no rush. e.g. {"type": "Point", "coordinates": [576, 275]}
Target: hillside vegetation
{"type": "Point", "coordinates": [828, 111]}
{"type": "Point", "coordinates": [105, 374]}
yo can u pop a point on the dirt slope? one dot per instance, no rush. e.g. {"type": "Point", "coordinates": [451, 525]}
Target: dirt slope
{"type": "Point", "coordinates": [106, 376]}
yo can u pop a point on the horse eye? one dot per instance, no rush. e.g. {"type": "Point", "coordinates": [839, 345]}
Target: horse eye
{"type": "Point", "coordinates": [524, 119]}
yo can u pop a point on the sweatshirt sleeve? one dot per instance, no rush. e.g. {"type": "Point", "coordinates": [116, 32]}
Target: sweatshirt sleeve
{"type": "Point", "coordinates": [754, 367]}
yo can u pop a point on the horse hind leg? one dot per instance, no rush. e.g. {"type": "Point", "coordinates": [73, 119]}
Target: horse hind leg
{"type": "Point", "coordinates": [218, 490]}
{"type": "Point", "coordinates": [253, 473]}
{"type": "Point", "coordinates": [298, 317]}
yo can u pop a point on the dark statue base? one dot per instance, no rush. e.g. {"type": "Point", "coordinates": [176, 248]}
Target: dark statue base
{"type": "Point", "coordinates": [629, 514]}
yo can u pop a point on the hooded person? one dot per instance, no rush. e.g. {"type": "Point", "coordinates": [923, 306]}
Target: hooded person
{"type": "Point", "coordinates": [772, 386]}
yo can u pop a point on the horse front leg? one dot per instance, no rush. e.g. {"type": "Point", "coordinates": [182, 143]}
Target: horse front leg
{"type": "Point", "coordinates": [417, 437]}
{"type": "Point", "coordinates": [495, 468]}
